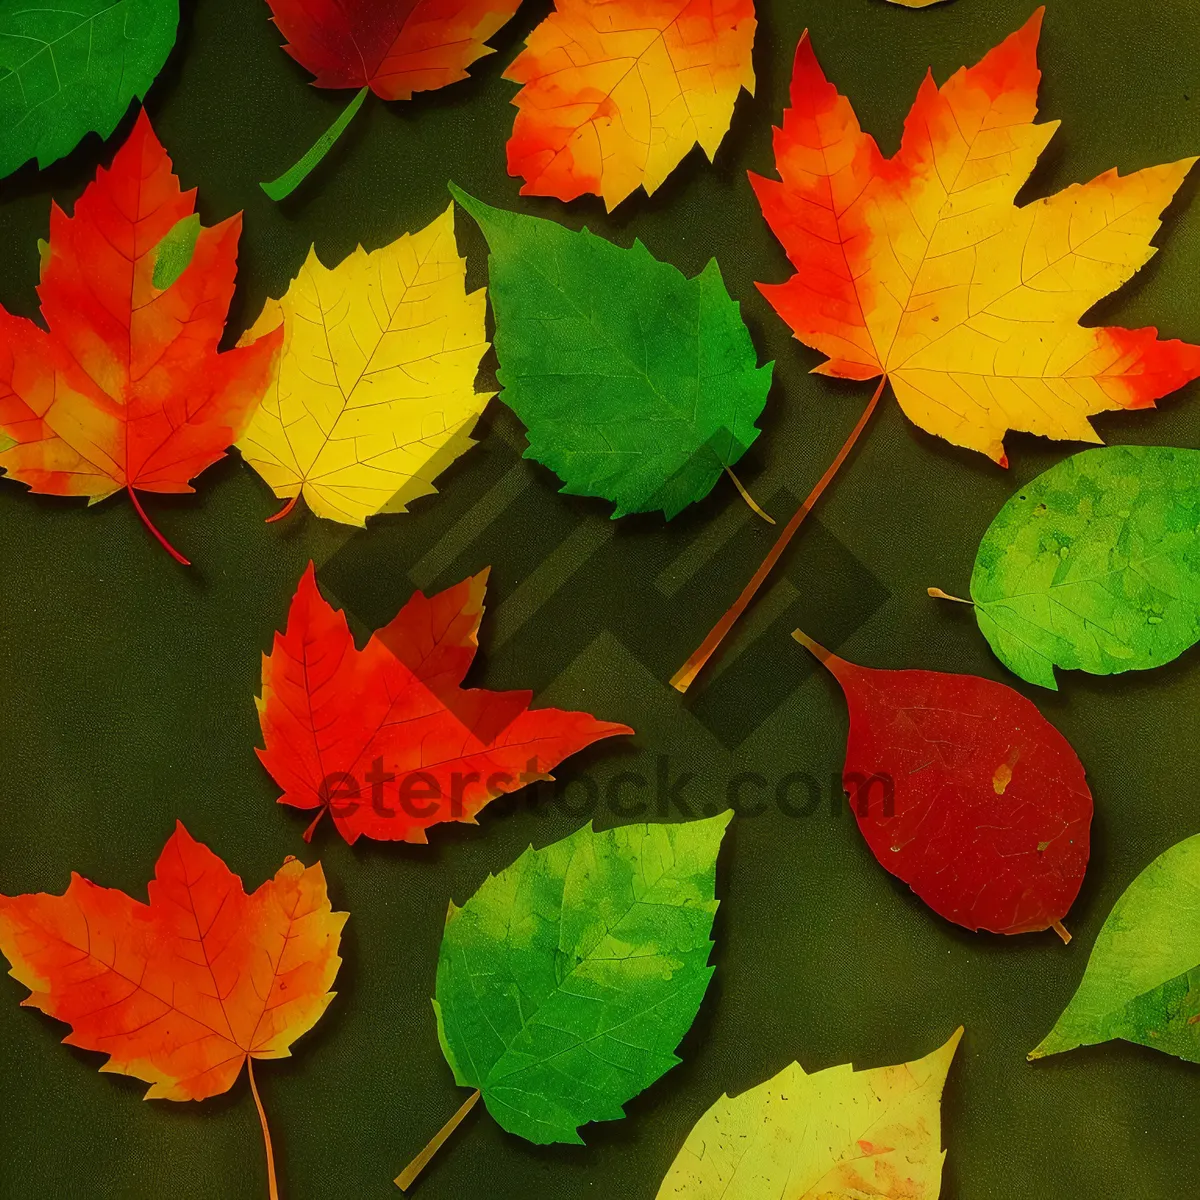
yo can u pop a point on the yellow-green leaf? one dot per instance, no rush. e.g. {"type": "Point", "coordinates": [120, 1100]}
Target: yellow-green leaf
{"type": "Point", "coordinates": [840, 1134]}
{"type": "Point", "coordinates": [375, 391]}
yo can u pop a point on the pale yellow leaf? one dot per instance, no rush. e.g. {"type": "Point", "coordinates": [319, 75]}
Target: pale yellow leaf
{"type": "Point", "coordinates": [375, 392]}
{"type": "Point", "coordinates": [840, 1134]}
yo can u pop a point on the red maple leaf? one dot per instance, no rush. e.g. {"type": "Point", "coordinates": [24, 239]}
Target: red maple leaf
{"type": "Point", "coordinates": [385, 738]}
{"type": "Point", "coordinates": [127, 389]}
{"type": "Point", "coordinates": [967, 793]}
{"type": "Point", "coordinates": [394, 47]}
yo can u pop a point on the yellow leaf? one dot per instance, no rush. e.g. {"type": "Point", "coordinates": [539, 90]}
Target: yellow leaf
{"type": "Point", "coordinates": [840, 1134]}
{"type": "Point", "coordinates": [375, 391]}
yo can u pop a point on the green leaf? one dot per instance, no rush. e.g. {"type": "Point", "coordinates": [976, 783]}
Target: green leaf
{"type": "Point", "coordinates": [566, 982]}
{"type": "Point", "coordinates": [174, 253]}
{"type": "Point", "coordinates": [636, 384]}
{"type": "Point", "coordinates": [1095, 565]}
{"type": "Point", "coordinates": [1142, 982]}
{"type": "Point", "coordinates": [69, 69]}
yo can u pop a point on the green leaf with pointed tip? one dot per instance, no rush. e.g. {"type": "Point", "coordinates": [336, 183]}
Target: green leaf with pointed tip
{"type": "Point", "coordinates": [636, 384]}
{"type": "Point", "coordinates": [1095, 565]}
{"type": "Point", "coordinates": [173, 255]}
{"type": "Point", "coordinates": [69, 69]}
{"type": "Point", "coordinates": [1142, 982]}
{"type": "Point", "coordinates": [567, 981]}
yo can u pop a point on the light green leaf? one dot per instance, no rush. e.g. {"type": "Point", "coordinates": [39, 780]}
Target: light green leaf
{"type": "Point", "coordinates": [1095, 565]}
{"type": "Point", "coordinates": [69, 69]}
{"type": "Point", "coordinates": [566, 982]}
{"type": "Point", "coordinates": [174, 253]}
{"type": "Point", "coordinates": [636, 384]}
{"type": "Point", "coordinates": [1142, 982]}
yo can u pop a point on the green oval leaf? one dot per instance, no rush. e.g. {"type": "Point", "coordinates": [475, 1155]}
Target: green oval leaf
{"type": "Point", "coordinates": [635, 383]}
{"type": "Point", "coordinates": [173, 255]}
{"type": "Point", "coordinates": [1142, 982]}
{"type": "Point", "coordinates": [566, 982]}
{"type": "Point", "coordinates": [69, 69]}
{"type": "Point", "coordinates": [1095, 565]}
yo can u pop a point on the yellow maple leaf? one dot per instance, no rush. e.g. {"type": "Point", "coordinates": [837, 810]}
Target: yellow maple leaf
{"type": "Point", "coordinates": [375, 391]}
{"type": "Point", "coordinates": [840, 1134]}
{"type": "Point", "coordinates": [618, 91]}
{"type": "Point", "coordinates": [922, 269]}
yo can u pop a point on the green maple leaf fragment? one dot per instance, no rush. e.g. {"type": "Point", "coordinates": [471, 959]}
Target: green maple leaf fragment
{"type": "Point", "coordinates": [567, 981]}
{"type": "Point", "coordinates": [636, 384]}
{"type": "Point", "coordinates": [1095, 565]}
{"type": "Point", "coordinates": [69, 69]}
{"type": "Point", "coordinates": [1142, 982]}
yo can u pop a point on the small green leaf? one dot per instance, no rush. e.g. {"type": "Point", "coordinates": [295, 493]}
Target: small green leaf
{"type": "Point", "coordinates": [1095, 565]}
{"type": "Point", "coordinates": [1142, 982]}
{"type": "Point", "coordinates": [69, 69]}
{"type": "Point", "coordinates": [566, 982]}
{"type": "Point", "coordinates": [174, 253]}
{"type": "Point", "coordinates": [636, 384]}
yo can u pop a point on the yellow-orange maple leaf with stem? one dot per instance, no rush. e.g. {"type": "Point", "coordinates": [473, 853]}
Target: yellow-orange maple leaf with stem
{"type": "Point", "coordinates": [920, 270]}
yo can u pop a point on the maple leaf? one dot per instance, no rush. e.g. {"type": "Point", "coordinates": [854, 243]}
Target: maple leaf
{"type": "Point", "coordinates": [374, 394]}
{"type": "Point", "coordinates": [922, 269]}
{"type": "Point", "coordinates": [390, 47]}
{"type": "Point", "coordinates": [967, 793]}
{"type": "Point", "coordinates": [1094, 565]}
{"type": "Point", "coordinates": [127, 390]}
{"type": "Point", "coordinates": [385, 738]}
{"type": "Point", "coordinates": [69, 70]}
{"type": "Point", "coordinates": [636, 384]}
{"type": "Point", "coordinates": [183, 991]}
{"type": "Point", "coordinates": [919, 270]}
{"type": "Point", "coordinates": [616, 92]}
{"type": "Point", "coordinates": [595, 951]}
{"type": "Point", "coordinates": [1142, 982]}
{"type": "Point", "coordinates": [835, 1135]}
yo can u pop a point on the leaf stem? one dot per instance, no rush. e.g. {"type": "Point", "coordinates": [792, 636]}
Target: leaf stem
{"type": "Point", "coordinates": [408, 1176]}
{"type": "Point", "coordinates": [291, 179]}
{"type": "Point", "coordinates": [749, 499]}
{"type": "Point", "coordinates": [690, 669]}
{"type": "Point", "coordinates": [938, 594]}
{"type": "Point", "coordinates": [308, 833]}
{"type": "Point", "coordinates": [272, 1183]}
{"type": "Point", "coordinates": [1061, 930]}
{"type": "Point", "coordinates": [162, 541]}
{"type": "Point", "coordinates": [283, 512]}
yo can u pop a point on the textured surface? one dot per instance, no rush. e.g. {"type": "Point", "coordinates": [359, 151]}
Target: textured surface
{"type": "Point", "coordinates": [567, 981]}
{"type": "Point", "coordinates": [1095, 565]}
{"type": "Point", "coordinates": [1142, 982]}
{"type": "Point", "coordinates": [851, 1135]}
{"type": "Point", "coordinates": [375, 392]}
{"type": "Point", "coordinates": [72, 69]}
{"type": "Point", "coordinates": [635, 383]}
{"type": "Point", "coordinates": [127, 685]}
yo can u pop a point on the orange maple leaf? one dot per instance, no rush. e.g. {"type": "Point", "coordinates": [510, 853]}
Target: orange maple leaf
{"type": "Point", "coordinates": [385, 738]}
{"type": "Point", "coordinates": [184, 990]}
{"type": "Point", "coordinates": [127, 389]}
{"type": "Point", "coordinates": [922, 269]}
{"type": "Point", "coordinates": [616, 92]}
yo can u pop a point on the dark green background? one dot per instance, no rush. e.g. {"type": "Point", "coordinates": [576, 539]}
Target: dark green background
{"type": "Point", "coordinates": [126, 682]}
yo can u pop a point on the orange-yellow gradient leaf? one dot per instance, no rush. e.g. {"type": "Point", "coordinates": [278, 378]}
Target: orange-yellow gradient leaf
{"type": "Point", "coordinates": [125, 388]}
{"type": "Point", "coordinates": [922, 268]}
{"type": "Point", "coordinates": [616, 92]}
{"type": "Point", "coordinates": [182, 991]}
